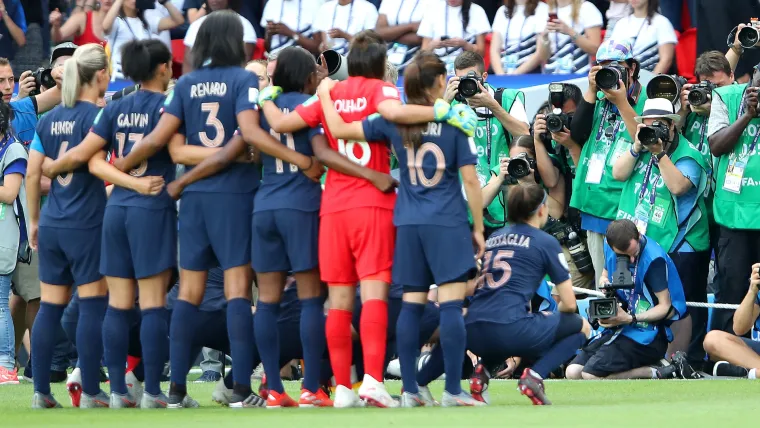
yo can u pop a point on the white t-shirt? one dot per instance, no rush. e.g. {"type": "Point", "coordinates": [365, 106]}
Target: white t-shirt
{"type": "Point", "coordinates": [298, 15]}
{"type": "Point", "coordinates": [566, 57]}
{"type": "Point", "coordinates": [352, 18]}
{"type": "Point", "coordinates": [520, 43]}
{"type": "Point", "coordinates": [126, 29]}
{"type": "Point", "coordinates": [647, 37]}
{"type": "Point", "coordinates": [443, 20]}
{"type": "Point", "coordinates": [399, 12]}
{"type": "Point", "coordinates": [249, 34]}
{"type": "Point", "coordinates": [161, 12]}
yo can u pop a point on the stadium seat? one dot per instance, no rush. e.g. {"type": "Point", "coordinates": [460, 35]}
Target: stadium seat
{"type": "Point", "coordinates": [178, 57]}
{"type": "Point", "coordinates": [258, 51]}
{"type": "Point", "coordinates": [686, 54]}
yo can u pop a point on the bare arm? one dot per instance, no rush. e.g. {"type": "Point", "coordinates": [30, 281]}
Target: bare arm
{"type": "Point", "coordinates": [187, 62]}
{"type": "Point", "coordinates": [249, 48]}
{"type": "Point", "coordinates": [491, 190]}
{"type": "Point", "coordinates": [405, 114]}
{"type": "Point", "coordinates": [175, 18]}
{"type": "Point", "coordinates": [625, 163]}
{"type": "Point", "coordinates": [590, 40]}
{"type": "Point", "coordinates": [529, 65]}
{"type": "Point", "coordinates": [659, 311]}
{"type": "Point", "coordinates": [723, 141]}
{"type": "Point", "coordinates": [17, 34]}
{"type": "Point", "coordinates": [151, 143]}
{"type": "Point", "coordinates": [100, 168]}
{"type": "Point", "coordinates": [47, 100]}
{"type": "Point", "coordinates": [45, 185]}
{"type": "Point", "coordinates": [280, 122]}
{"type": "Point", "coordinates": [509, 122]}
{"type": "Point", "coordinates": [567, 302]}
{"type": "Point", "coordinates": [337, 162]}
{"type": "Point", "coordinates": [748, 310]}
{"type": "Point", "coordinates": [77, 156]}
{"type": "Point", "coordinates": [33, 175]}
{"type": "Point", "coordinates": [394, 33]}
{"type": "Point", "coordinates": [497, 42]}
{"type": "Point", "coordinates": [110, 18]}
{"type": "Point", "coordinates": [666, 52]}
{"type": "Point", "coordinates": [337, 126]}
{"type": "Point", "coordinates": [674, 179]}
{"type": "Point", "coordinates": [74, 26]}
{"type": "Point", "coordinates": [211, 164]}
{"type": "Point", "coordinates": [10, 188]}
{"type": "Point", "coordinates": [248, 121]}
{"type": "Point", "coordinates": [194, 14]}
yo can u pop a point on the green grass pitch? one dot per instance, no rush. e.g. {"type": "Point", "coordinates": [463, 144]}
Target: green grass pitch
{"type": "Point", "coordinates": [590, 404]}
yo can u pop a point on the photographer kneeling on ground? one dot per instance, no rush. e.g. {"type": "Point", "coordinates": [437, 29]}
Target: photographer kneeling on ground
{"type": "Point", "coordinates": [501, 118]}
{"type": "Point", "coordinates": [635, 338]}
{"type": "Point", "coordinates": [665, 181]}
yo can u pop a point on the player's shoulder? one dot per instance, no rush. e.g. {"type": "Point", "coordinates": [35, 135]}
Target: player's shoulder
{"type": "Point", "coordinates": [291, 100]}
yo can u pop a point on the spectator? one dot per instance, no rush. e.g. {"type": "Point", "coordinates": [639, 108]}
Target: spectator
{"type": "Point", "coordinates": [289, 23]}
{"type": "Point", "coordinates": [37, 47]}
{"type": "Point", "coordinates": [85, 25]}
{"type": "Point", "coordinates": [12, 28]}
{"type": "Point", "coordinates": [654, 41]}
{"type": "Point", "coordinates": [13, 159]}
{"type": "Point", "coordinates": [512, 43]}
{"type": "Point", "coordinates": [124, 23]}
{"type": "Point", "coordinates": [397, 24]}
{"type": "Point", "coordinates": [161, 12]}
{"type": "Point", "coordinates": [339, 20]}
{"type": "Point", "coordinates": [567, 48]}
{"type": "Point", "coordinates": [450, 27]}
{"type": "Point", "coordinates": [618, 10]}
{"type": "Point", "coordinates": [259, 68]}
{"type": "Point", "coordinates": [249, 35]}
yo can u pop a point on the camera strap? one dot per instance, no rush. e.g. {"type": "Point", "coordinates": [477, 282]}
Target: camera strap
{"type": "Point", "coordinates": [645, 183]}
{"type": "Point", "coordinates": [643, 24]}
{"type": "Point", "coordinates": [411, 15]}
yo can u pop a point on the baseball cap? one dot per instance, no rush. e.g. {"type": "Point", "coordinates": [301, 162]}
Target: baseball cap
{"type": "Point", "coordinates": [63, 49]}
{"type": "Point", "coordinates": [613, 50]}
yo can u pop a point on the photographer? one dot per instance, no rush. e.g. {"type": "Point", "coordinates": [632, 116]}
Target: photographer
{"type": "Point", "coordinates": [732, 132]}
{"type": "Point", "coordinates": [600, 125]}
{"type": "Point", "coordinates": [501, 118]}
{"type": "Point", "coordinates": [665, 181]}
{"type": "Point", "coordinates": [638, 335]}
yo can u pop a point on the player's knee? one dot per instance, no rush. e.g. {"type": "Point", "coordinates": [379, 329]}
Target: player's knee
{"type": "Point", "coordinates": [573, 371]}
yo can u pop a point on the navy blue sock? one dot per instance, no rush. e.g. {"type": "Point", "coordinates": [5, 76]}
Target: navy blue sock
{"type": "Point", "coordinates": [139, 370]}
{"type": "Point", "coordinates": [43, 341]}
{"type": "Point", "coordinates": [558, 354]}
{"type": "Point", "coordinates": [154, 333]}
{"type": "Point", "coordinates": [116, 346]}
{"type": "Point", "coordinates": [312, 340]}
{"type": "Point", "coordinates": [90, 342]}
{"type": "Point", "coordinates": [240, 332]}
{"type": "Point", "coordinates": [268, 342]}
{"type": "Point", "coordinates": [433, 368]}
{"type": "Point", "coordinates": [228, 383]}
{"type": "Point", "coordinates": [182, 330]}
{"type": "Point", "coordinates": [408, 343]}
{"type": "Point", "coordinates": [454, 343]}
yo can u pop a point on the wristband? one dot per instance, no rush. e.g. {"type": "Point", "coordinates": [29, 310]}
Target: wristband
{"type": "Point", "coordinates": [660, 155]}
{"type": "Point", "coordinates": [633, 153]}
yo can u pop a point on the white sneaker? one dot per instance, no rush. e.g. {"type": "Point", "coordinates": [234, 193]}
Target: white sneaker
{"type": "Point", "coordinates": [463, 399]}
{"type": "Point", "coordinates": [374, 393]}
{"type": "Point", "coordinates": [345, 397]}
{"type": "Point", "coordinates": [427, 396]}
{"type": "Point", "coordinates": [221, 393]}
{"type": "Point", "coordinates": [134, 386]}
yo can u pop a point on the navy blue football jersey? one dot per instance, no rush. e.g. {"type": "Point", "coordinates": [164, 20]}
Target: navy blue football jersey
{"type": "Point", "coordinates": [123, 124]}
{"type": "Point", "coordinates": [77, 199]}
{"type": "Point", "coordinates": [430, 190]}
{"type": "Point", "coordinates": [207, 101]}
{"type": "Point", "coordinates": [283, 185]}
{"type": "Point", "coordinates": [517, 259]}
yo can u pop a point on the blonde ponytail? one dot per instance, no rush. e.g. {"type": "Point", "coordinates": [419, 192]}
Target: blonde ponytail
{"type": "Point", "coordinates": [80, 70]}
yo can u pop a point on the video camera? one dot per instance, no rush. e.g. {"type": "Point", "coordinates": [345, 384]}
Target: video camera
{"type": "Point", "coordinates": [570, 237]}
{"type": "Point", "coordinates": [520, 166]}
{"type": "Point", "coordinates": [468, 86]}
{"type": "Point", "coordinates": [666, 86]}
{"type": "Point", "coordinates": [42, 77]}
{"type": "Point", "coordinates": [606, 307]}
{"type": "Point", "coordinates": [609, 75]}
{"type": "Point", "coordinates": [649, 135]}
{"type": "Point", "coordinates": [700, 93]}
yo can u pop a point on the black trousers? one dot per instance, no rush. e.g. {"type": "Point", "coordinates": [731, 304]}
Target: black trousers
{"type": "Point", "coordinates": [738, 250]}
{"type": "Point", "coordinates": [693, 269]}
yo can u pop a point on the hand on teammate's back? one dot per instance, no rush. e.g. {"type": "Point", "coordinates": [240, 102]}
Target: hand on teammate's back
{"type": "Point", "coordinates": [384, 182]}
{"type": "Point", "coordinates": [151, 185]}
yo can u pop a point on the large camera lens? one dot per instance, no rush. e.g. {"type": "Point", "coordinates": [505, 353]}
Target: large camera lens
{"type": "Point", "coordinates": [748, 37]}
{"type": "Point", "coordinates": [468, 87]}
{"type": "Point", "coordinates": [607, 78]}
{"type": "Point", "coordinates": [650, 134]}
{"type": "Point", "coordinates": [555, 122]}
{"type": "Point", "coordinates": [606, 309]}
{"type": "Point", "coordinates": [518, 168]}
{"type": "Point", "coordinates": [664, 86]}
{"type": "Point", "coordinates": [46, 78]}
{"type": "Point", "coordinates": [697, 97]}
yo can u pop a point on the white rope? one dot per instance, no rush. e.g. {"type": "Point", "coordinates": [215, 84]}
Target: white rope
{"type": "Point", "coordinates": [690, 304]}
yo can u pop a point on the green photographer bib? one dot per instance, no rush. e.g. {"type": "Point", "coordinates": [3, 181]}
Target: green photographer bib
{"type": "Point", "coordinates": [595, 191]}
{"type": "Point", "coordinates": [736, 203]}
{"type": "Point", "coordinates": [695, 131]}
{"type": "Point", "coordinates": [656, 213]}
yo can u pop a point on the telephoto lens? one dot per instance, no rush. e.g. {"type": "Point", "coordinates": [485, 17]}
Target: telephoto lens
{"type": "Point", "coordinates": [468, 85]}
{"type": "Point", "coordinates": [520, 166]}
{"type": "Point", "coordinates": [557, 122]}
{"type": "Point", "coordinates": [700, 93]}
{"type": "Point", "coordinates": [656, 131]}
{"type": "Point", "coordinates": [666, 86]}
{"type": "Point", "coordinates": [609, 76]}
{"type": "Point", "coordinates": [749, 36]}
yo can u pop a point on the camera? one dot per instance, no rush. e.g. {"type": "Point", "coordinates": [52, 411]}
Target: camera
{"type": "Point", "coordinates": [750, 35]}
{"type": "Point", "coordinates": [42, 77]}
{"type": "Point", "coordinates": [568, 236]}
{"type": "Point", "coordinates": [609, 75]}
{"type": "Point", "coordinates": [468, 86]}
{"type": "Point", "coordinates": [556, 121]}
{"type": "Point", "coordinates": [145, 4]}
{"type": "Point", "coordinates": [700, 93]}
{"type": "Point", "coordinates": [520, 166]}
{"type": "Point", "coordinates": [621, 280]}
{"type": "Point", "coordinates": [666, 86]}
{"type": "Point", "coordinates": [657, 130]}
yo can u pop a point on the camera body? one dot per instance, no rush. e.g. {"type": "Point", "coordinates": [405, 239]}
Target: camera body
{"type": "Point", "coordinates": [622, 279]}
{"type": "Point", "coordinates": [556, 121]}
{"type": "Point", "coordinates": [666, 86]}
{"type": "Point", "coordinates": [609, 76]}
{"type": "Point", "coordinates": [520, 166]}
{"type": "Point", "coordinates": [657, 130]}
{"type": "Point", "coordinates": [145, 4]}
{"type": "Point", "coordinates": [42, 77]}
{"type": "Point", "coordinates": [700, 93]}
{"type": "Point", "coordinates": [570, 237]}
{"type": "Point", "coordinates": [468, 86]}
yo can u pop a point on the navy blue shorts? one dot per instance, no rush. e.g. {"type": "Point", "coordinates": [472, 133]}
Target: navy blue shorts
{"type": "Point", "coordinates": [530, 337]}
{"type": "Point", "coordinates": [428, 254]}
{"type": "Point", "coordinates": [285, 240]}
{"type": "Point", "coordinates": [602, 357]}
{"type": "Point", "coordinates": [215, 230]}
{"type": "Point", "coordinates": [69, 256]}
{"type": "Point", "coordinates": [138, 242]}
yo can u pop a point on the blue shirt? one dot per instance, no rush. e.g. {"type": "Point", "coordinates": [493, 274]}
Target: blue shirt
{"type": "Point", "coordinates": [594, 224]}
{"type": "Point", "coordinates": [77, 199]}
{"type": "Point", "coordinates": [686, 202]}
{"type": "Point", "coordinates": [123, 123]}
{"type": "Point", "coordinates": [24, 118]}
{"type": "Point", "coordinates": [213, 298]}
{"type": "Point", "coordinates": [16, 13]}
{"type": "Point", "coordinates": [430, 190]}
{"type": "Point", "coordinates": [283, 186]}
{"type": "Point", "coordinates": [207, 101]}
{"type": "Point", "coordinates": [517, 259]}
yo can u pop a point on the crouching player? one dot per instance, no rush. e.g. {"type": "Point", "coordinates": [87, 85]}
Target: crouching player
{"type": "Point", "coordinates": [737, 350]}
{"type": "Point", "coordinates": [432, 236]}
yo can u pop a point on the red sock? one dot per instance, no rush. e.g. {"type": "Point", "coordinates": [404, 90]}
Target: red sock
{"type": "Point", "coordinates": [374, 331]}
{"type": "Point", "coordinates": [338, 332]}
